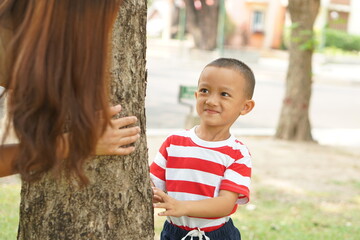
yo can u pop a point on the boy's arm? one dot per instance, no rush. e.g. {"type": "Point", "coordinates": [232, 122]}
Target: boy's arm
{"type": "Point", "coordinates": [208, 208]}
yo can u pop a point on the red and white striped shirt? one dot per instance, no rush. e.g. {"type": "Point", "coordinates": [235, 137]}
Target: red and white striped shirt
{"type": "Point", "coordinates": [189, 168]}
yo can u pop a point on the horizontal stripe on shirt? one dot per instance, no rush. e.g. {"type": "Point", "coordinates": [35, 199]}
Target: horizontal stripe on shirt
{"type": "Point", "coordinates": [190, 187]}
{"type": "Point", "coordinates": [196, 164]}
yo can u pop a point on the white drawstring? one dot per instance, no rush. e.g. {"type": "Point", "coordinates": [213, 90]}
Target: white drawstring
{"type": "Point", "coordinates": [196, 233]}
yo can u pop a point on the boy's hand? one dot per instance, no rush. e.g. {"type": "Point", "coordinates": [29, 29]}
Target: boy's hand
{"type": "Point", "coordinates": [173, 207]}
{"type": "Point", "coordinates": [156, 197]}
{"type": "Point", "coordinates": [116, 136]}
{"type": "Point", "coordinates": [215, 207]}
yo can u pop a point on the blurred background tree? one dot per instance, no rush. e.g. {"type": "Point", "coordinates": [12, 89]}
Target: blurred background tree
{"type": "Point", "coordinates": [294, 123]}
{"type": "Point", "coordinates": [202, 21]}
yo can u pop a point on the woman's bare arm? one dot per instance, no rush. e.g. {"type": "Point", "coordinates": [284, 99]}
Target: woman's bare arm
{"type": "Point", "coordinates": [7, 154]}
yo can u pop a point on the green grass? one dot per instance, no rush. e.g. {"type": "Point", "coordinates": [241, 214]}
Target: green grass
{"type": "Point", "coordinates": [276, 216]}
{"type": "Point", "coordinates": [9, 210]}
{"type": "Point", "coordinates": [279, 216]}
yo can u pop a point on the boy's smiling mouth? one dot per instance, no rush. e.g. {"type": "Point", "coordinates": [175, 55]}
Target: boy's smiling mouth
{"type": "Point", "coordinates": [211, 111]}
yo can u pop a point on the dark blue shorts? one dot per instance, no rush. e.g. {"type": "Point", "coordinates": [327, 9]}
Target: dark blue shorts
{"type": "Point", "coordinates": [226, 232]}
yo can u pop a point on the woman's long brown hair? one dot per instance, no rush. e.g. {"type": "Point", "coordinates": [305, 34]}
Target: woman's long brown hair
{"type": "Point", "coordinates": [57, 69]}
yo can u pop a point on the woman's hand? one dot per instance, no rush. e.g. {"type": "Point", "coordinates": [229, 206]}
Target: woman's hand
{"type": "Point", "coordinates": [116, 138]}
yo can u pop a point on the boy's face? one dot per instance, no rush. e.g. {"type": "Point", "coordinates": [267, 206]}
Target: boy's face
{"type": "Point", "coordinates": [220, 98]}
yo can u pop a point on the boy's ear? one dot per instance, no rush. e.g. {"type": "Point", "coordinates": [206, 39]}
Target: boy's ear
{"type": "Point", "coordinates": [248, 106]}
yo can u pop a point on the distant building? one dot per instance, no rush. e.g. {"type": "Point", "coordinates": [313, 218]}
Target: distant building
{"type": "Point", "coordinates": [258, 23]}
{"type": "Point", "coordinates": [342, 15]}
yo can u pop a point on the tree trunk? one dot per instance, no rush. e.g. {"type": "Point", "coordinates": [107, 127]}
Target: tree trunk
{"type": "Point", "coordinates": [294, 123]}
{"type": "Point", "coordinates": [117, 203]}
{"type": "Point", "coordinates": [202, 23]}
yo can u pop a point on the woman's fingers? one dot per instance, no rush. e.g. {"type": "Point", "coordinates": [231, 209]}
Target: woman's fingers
{"type": "Point", "coordinates": [116, 141]}
{"type": "Point", "coordinates": [126, 140]}
{"type": "Point", "coordinates": [123, 122]}
{"type": "Point", "coordinates": [123, 150]}
{"type": "Point", "coordinates": [118, 135]}
{"type": "Point", "coordinates": [125, 132]}
{"type": "Point", "coordinates": [121, 137]}
{"type": "Point", "coordinates": [114, 110]}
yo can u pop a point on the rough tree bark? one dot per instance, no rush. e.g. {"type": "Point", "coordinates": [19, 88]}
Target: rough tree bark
{"type": "Point", "coordinates": [202, 23]}
{"type": "Point", "coordinates": [117, 203]}
{"type": "Point", "coordinates": [294, 123]}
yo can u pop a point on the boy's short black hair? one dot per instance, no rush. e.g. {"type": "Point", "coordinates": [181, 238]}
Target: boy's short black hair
{"type": "Point", "coordinates": [239, 66]}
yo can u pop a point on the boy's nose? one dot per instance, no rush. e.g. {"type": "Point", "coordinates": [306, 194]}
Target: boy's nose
{"type": "Point", "coordinates": [212, 100]}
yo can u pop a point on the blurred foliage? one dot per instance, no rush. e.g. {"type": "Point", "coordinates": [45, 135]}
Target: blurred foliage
{"type": "Point", "coordinates": [330, 41]}
{"type": "Point", "coordinates": [285, 38]}
{"type": "Point", "coordinates": [230, 28]}
{"type": "Point", "coordinates": [342, 40]}
{"type": "Point", "coordinates": [306, 38]}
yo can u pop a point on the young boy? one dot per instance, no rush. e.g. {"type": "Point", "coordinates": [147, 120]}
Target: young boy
{"type": "Point", "coordinates": [205, 170]}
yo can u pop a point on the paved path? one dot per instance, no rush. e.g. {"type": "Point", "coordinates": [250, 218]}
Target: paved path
{"type": "Point", "coordinates": [335, 103]}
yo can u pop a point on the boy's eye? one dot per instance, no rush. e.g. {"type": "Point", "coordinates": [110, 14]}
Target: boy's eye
{"type": "Point", "coordinates": [225, 94]}
{"type": "Point", "coordinates": [203, 90]}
